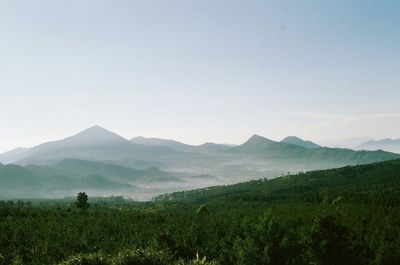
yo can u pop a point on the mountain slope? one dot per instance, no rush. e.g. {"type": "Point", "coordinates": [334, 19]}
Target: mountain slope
{"type": "Point", "coordinates": [300, 142]}
{"type": "Point", "coordinates": [114, 172]}
{"type": "Point", "coordinates": [178, 146]}
{"type": "Point", "coordinates": [96, 144]}
{"type": "Point", "coordinates": [14, 155]}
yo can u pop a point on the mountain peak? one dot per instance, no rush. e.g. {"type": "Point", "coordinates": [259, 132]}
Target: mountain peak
{"type": "Point", "coordinates": [294, 140]}
{"type": "Point", "coordinates": [95, 135]}
{"type": "Point", "coordinates": [291, 138]}
{"type": "Point", "coordinates": [95, 128]}
{"type": "Point", "coordinates": [257, 140]}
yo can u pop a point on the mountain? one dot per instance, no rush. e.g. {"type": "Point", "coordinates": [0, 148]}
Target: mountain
{"type": "Point", "coordinates": [391, 145]}
{"type": "Point", "coordinates": [95, 144]}
{"type": "Point", "coordinates": [92, 136]}
{"type": "Point", "coordinates": [178, 146]}
{"type": "Point", "coordinates": [257, 141]}
{"type": "Point", "coordinates": [14, 155]}
{"type": "Point", "coordinates": [316, 158]}
{"type": "Point", "coordinates": [212, 147]}
{"type": "Point", "coordinates": [297, 141]}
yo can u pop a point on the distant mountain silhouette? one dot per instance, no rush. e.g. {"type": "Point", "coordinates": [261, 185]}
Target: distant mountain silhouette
{"type": "Point", "coordinates": [94, 144]}
{"type": "Point", "coordinates": [97, 144]}
{"type": "Point", "coordinates": [300, 142]}
{"type": "Point", "coordinates": [178, 146]}
{"type": "Point", "coordinates": [14, 155]}
{"type": "Point", "coordinates": [93, 136]}
{"type": "Point", "coordinates": [390, 145]}
{"type": "Point", "coordinates": [257, 141]}
{"type": "Point", "coordinates": [295, 154]}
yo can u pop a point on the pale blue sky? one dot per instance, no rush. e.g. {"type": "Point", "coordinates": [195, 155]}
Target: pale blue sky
{"type": "Point", "coordinates": [199, 71]}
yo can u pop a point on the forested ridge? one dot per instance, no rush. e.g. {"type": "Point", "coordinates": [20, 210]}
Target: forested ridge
{"type": "Point", "coordinates": [376, 183]}
{"type": "Point", "coordinates": [349, 215]}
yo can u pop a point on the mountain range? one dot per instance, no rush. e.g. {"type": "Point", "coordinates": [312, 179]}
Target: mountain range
{"type": "Point", "coordinates": [103, 162]}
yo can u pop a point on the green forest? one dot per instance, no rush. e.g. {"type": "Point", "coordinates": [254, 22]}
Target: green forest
{"type": "Point", "coordinates": [349, 215]}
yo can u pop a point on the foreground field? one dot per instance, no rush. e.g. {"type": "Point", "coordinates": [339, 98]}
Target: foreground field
{"type": "Point", "coordinates": [343, 216]}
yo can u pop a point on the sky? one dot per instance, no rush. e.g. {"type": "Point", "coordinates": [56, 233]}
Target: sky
{"type": "Point", "coordinates": [199, 70]}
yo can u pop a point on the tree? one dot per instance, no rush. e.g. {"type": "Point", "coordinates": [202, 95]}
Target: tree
{"type": "Point", "coordinates": [82, 201]}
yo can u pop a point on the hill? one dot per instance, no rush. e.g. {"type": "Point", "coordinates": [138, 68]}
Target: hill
{"type": "Point", "coordinates": [69, 176]}
{"type": "Point", "coordinates": [378, 182]}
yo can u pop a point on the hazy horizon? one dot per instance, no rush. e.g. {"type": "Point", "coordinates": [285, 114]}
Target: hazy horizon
{"type": "Point", "coordinates": [199, 71]}
{"type": "Point", "coordinates": [343, 143]}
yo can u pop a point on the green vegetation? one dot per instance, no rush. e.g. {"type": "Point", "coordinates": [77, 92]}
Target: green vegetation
{"type": "Point", "coordinates": [349, 215]}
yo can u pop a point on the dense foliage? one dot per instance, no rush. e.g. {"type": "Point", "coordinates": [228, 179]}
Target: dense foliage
{"type": "Point", "coordinates": [344, 216]}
